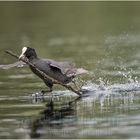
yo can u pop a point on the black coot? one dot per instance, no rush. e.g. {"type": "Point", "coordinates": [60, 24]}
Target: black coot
{"type": "Point", "coordinates": [64, 72]}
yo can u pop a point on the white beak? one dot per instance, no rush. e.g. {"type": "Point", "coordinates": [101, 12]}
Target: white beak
{"type": "Point", "coordinates": [23, 51]}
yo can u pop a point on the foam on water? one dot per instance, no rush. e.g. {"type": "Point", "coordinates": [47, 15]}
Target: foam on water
{"type": "Point", "coordinates": [127, 87]}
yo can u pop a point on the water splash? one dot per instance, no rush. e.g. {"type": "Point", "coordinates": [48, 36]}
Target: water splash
{"type": "Point", "coordinates": [127, 87]}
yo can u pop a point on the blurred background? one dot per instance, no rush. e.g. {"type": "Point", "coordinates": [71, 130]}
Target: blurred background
{"type": "Point", "coordinates": [103, 37]}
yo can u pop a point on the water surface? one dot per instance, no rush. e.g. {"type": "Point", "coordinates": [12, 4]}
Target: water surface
{"type": "Point", "coordinates": [103, 37]}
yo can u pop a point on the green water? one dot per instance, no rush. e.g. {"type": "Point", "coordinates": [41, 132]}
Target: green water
{"type": "Point", "coordinates": [103, 37]}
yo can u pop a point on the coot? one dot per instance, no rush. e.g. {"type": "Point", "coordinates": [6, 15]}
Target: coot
{"type": "Point", "coordinates": [63, 72]}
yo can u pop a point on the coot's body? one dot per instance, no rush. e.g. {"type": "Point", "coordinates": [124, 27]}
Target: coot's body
{"type": "Point", "coordinates": [63, 72]}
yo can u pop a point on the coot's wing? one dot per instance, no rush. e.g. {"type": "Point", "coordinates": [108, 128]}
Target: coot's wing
{"type": "Point", "coordinates": [66, 68]}
{"type": "Point", "coordinates": [16, 64]}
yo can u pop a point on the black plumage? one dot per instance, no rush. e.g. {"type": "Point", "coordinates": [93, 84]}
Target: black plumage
{"type": "Point", "coordinates": [63, 72]}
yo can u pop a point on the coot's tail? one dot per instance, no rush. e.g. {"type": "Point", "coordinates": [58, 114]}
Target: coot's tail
{"type": "Point", "coordinates": [81, 71]}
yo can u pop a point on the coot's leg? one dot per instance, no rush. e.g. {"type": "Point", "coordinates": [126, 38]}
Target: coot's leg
{"type": "Point", "coordinates": [49, 84]}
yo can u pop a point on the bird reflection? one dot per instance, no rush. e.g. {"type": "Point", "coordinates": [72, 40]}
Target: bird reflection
{"type": "Point", "coordinates": [53, 116]}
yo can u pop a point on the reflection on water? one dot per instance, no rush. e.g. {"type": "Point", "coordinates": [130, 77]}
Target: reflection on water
{"type": "Point", "coordinates": [87, 117]}
{"type": "Point", "coordinates": [53, 117]}
{"type": "Point", "coordinates": [102, 37]}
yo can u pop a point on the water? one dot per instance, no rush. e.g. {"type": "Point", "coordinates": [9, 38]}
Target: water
{"type": "Point", "coordinates": [102, 37]}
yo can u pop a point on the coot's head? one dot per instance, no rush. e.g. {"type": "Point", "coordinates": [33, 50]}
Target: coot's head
{"type": "Point", "coordinates": [28, 53]}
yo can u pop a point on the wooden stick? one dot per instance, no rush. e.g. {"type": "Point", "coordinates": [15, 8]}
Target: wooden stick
{"type": "Point", "coordinates": [44, 74]}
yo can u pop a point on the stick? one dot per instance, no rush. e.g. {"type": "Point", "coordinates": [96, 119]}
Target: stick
{"type": "Point", "coordinates": [44, 74]}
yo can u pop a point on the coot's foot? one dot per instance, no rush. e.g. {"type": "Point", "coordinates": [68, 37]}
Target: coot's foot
{"type": "Point", "coordinates": [38, 94]}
